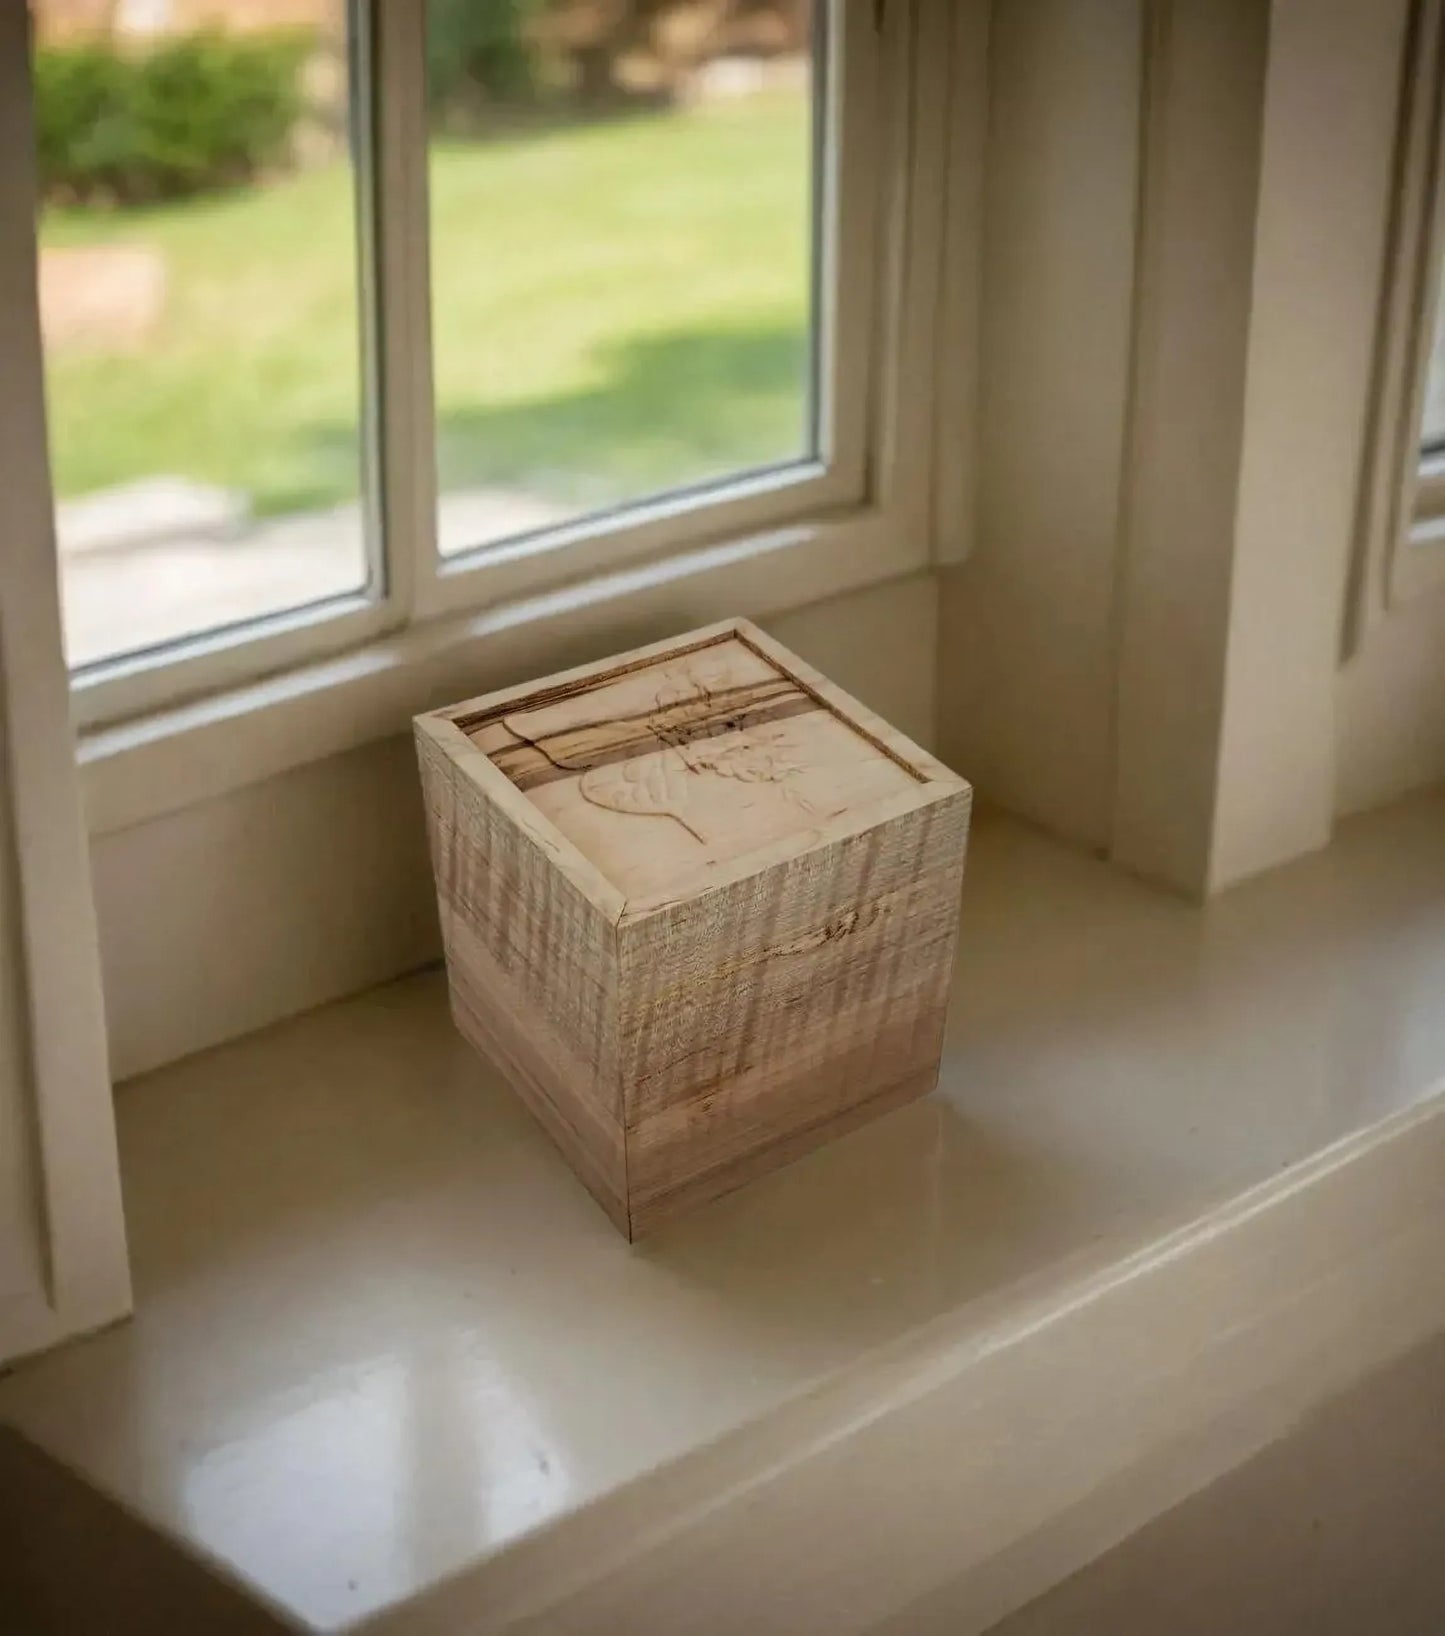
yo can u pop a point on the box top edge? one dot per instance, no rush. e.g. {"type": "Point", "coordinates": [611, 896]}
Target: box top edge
{"type": "Point", "coordinates": [597, 671]}
{"type": "Point", "coordinates": [747, 865]}
{"type": "Point", "coordinates": [463, 734]}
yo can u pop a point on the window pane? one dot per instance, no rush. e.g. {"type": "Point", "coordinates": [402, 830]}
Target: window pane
{"type": "Point", "coordinates": [1432, 434]}
{"type": "Point", "coordinates": [199, 297]}
{"type": "Point", "coordinates": [622, 252]}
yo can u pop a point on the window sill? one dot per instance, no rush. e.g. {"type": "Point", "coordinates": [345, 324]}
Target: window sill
{"type": "Point", "coordinates": [171, 758]}
{"type": "Point", "coordinates": [392, 1368]}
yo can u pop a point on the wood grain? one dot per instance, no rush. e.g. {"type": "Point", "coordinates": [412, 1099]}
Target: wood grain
{"type": "Point", "coordinates": [530, 968]}
{"type": "Point", "coordinates": [699, 906]}
{"type": "Point", "coordinates": [704, 756]}
{"type": "Point", "coordinates": [757, 1020]}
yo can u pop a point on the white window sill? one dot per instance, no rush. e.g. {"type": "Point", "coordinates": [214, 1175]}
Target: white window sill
{"type": "Point", "coordinates": [392, 1369]}
{"type": "Point", "coordinates": [172, 757]}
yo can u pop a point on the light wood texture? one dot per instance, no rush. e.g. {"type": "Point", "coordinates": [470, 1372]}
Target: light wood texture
{"type": "Point", "coordinates": [719, 749]}
{"type": "Point", "coordinates": [528, 958]}
{"type": "Point", "coordinates": [698, 904]}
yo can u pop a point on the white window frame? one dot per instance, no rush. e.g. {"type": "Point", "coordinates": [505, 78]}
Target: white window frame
{"type": "Point", "coordinates": [856, 519]}
{"type": "Point", "coordinates": [1402, 512]}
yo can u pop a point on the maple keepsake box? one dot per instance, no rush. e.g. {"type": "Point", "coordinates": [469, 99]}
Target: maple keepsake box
{"type": "Point", "coordinates": [699, 907]}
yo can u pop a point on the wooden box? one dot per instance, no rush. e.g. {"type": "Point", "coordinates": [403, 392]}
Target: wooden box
{"type": "Point", "coordinates": [699, 907]}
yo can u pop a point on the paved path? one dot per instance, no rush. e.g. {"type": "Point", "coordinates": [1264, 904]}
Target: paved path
{"type": "Point", "coordinates": [152, 568]}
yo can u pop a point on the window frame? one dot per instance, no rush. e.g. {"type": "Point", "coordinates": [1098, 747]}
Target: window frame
{"type": "Point", "coordinates": [865, 334]}
{"type": "Point", "coordinates": [1401, 554]}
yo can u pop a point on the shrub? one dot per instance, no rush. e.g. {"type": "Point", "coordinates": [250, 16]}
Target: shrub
{"type": "Point", "coordinates": [195, 112]}
{"type": "Point", "coordinates": [480, 56]}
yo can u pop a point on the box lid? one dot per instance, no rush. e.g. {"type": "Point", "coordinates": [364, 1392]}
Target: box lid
{"type": "Point", "coordinates": [666, 766]}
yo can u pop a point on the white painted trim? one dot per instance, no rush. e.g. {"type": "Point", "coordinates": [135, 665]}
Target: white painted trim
{"type": "Point", "coordinates": [531, 563]}
{"type": "Point", "coordinates": [1242, 507]}
{"type": "Point", "coordinates": [1309, 353]}
{"type": "Point", "coordinates": [955, 428]}
{"type": "Point", "coordinates": [1417, 551]}
{"type": "Point", "coordinates": [911, 132]}
{"type": "Point", "coordinates": [1390, 724]}
{"type": "Point", "coordinates": [994, 1458]}
{"type": "Point", "coordinates": [51, 938]}
{"type": "Point", "coordinates": [1202, 135]}
{"type": "Point", "coordinates": [406, 442]}
{"type": "Point", "coordinates": [1398, 551]}
{"type": "Point", "coordinates": [853, 180]}
{"type": "Point", "coordinates": [1417, 545]}
{"type": "Point", "coordinates": [167, 760]}
{"type": "Point", "coordinates": [1028, 482]}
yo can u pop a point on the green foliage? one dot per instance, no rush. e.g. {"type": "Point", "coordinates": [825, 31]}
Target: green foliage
{"type": "Point", "coordinates": [479, 56]}
{"type": "Point", "coordinates": [196, 112]}
{"type": "Point", "coordinates": [617, 307]}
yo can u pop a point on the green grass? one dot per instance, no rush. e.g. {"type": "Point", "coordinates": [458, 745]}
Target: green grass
{"type": "Point", "coordinates": [617, 308]}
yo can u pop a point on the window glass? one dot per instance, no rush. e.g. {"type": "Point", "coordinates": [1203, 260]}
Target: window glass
{"type": "Point", "coordinates": [200, 310]}
{"type": "Point", "coordinates": [623, 252]}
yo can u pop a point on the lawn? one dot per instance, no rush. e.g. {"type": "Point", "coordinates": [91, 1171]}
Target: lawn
{"type": "Point", "coordinates": [617, 307]}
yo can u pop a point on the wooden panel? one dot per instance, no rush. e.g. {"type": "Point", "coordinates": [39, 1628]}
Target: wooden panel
{"type": "Point", "coordinates": [566, 1094]}
{"type": "Point", "coordinates": [757, 1022]}
{"type": "Point", "coordinates": [532, 979]}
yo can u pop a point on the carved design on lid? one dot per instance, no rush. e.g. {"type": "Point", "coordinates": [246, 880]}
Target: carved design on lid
{"type": "Point", "coordinates": [699, 743]}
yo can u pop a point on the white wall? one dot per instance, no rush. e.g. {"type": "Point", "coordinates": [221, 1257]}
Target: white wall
{"type": "Point", "coordinates": [1390, 706]}
{"type": "Point", "coordinates": [1324, 189]}
{"type": "Point", "coordinates": [233, 912]}
{"type": "Point", "coordinates": [1366, 732]}
{"type": "Point", "coordinates": [1184, 236]}
{"type": "Point", "coordinates": [1028, 619]}
{"type": "Point", "coordinates": [1204, 109]}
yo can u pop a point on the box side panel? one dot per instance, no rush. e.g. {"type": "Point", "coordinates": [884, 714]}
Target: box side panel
{"type": "Point", "coordinates": [764, 1018]}
{"type": "Point", "coordinates": [882, 733]}
{"type": "Point", "coordinates": [531, 965]}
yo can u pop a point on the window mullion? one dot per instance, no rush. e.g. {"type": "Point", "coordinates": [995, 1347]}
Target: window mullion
{"type": "Point", "coordinates": [400, 307]}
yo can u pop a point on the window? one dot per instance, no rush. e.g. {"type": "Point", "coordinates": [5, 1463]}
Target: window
{"type": "Point", "coordinates": [1419, 551]}
{"type": "Point", "coordinates": [203, 351]}
{"type": "Point", "coordinates": [489, 296]}
{"type": "Point", "coordinates": [622, 307]}
{"type": "Point", "coordinates": [1401, 549]}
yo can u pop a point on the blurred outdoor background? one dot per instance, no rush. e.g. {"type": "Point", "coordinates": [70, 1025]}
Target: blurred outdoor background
{"type": "Point", "coordinates": [622, 200]}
